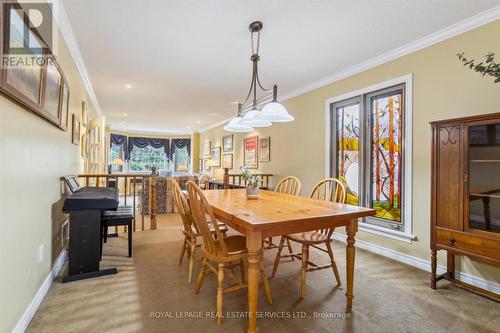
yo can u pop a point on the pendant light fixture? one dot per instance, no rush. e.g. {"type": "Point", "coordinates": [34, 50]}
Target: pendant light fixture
{"type": "Point", "coordinates": [273, 111]}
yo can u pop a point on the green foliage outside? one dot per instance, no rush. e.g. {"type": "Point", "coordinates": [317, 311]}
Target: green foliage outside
{"type": "Point", "coordinates": [142, 159]}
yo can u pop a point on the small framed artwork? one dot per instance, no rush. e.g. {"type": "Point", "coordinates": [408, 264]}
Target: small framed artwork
{"type": "Point", "coordinates": [227, 161]}
{"type": "Point", "coordinates": [53, 88]}
{"type": "Point", "coordinates": [75, 130]}
{"type": "Point", "coordinates": [206, 164]}
{"type": "Point", "coordinates": [207, 148]}
{"type": "Point", "coordinates": [250, 152]}
{"type": "Point", "coordinates": [265, 149]}
{"type": "Point", "coordinates": [98, 134]}
{"type": "Point", "coordinates": [65, 107]}
{"type": "Point", "coordinates": [200, 164]}
{"type": "Point", "coordinates": [83, 145]}
{"type": "Point", "coordinates": [216, 157]}
{"type": "Point", "coordinates": [84, 114]}
{"type": "Point", "coordinates": [227, 143]}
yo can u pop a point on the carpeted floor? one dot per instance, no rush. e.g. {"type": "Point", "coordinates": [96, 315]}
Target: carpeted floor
{"type": "Point", "coordinates": [150, 294]}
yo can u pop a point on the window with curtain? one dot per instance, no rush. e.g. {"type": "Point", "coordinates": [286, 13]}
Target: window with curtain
{"type": "Point", "coordinates": [367, 137]}
{"type": "Point", "coordinates": [181, 160]}
{"type": "Point", "coordinates": [181, 154]}
{"type": "Point", "coordinates": [115, 152]}
{"type": "Point", "coordinates": [118, 151]}
{"type": "Point", "coordinates": [142, 154]}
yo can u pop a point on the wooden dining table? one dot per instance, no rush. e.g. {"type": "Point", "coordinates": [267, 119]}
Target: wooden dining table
{"type": "Point", "coordinates": [276, 214]}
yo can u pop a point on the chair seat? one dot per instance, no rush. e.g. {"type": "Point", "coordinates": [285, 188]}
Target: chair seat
{"type": "Point", "coordinates": [236, 244]}
{"type": "Point", "coordinates": [222, 227]}
{"type": "Point", "coordinates": [310, 237]}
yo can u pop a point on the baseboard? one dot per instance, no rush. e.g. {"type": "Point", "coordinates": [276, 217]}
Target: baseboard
{"type": "Point", "coordinates": [422, 264]}
{"type": "Point", "coordinates": [25, 319]}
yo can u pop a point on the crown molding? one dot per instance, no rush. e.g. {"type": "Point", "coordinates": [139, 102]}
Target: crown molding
{"type": "Point", "coordinates": [123, 130]}
{"type": "Point", "coordinates": [61, 18]}
{"type": "Point", "coordinates": [453, 30]}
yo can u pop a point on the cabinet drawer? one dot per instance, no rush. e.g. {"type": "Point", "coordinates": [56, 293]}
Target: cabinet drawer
{"type": "Point", "coordinates": [470, 243]}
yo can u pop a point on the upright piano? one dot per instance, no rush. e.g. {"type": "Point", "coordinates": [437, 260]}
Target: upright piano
{"type": "Point", "coordinates": [85, 206]}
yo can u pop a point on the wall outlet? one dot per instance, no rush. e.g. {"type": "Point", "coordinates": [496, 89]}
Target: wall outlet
{"type": "Point", "coordinates": [40, 252]}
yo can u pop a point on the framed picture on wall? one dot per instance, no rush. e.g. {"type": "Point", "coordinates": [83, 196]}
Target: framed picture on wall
{"type": "Point", "coordinates": [227, 161]}
{"type": "Point", "coordinates": [83, 145]}
{"type": "Point", "coordinates": [207, 148]}
{"type": "Point", "coordinates": [84, 114]}
{"type": "Point", "coordinates": [75, 130]}
{"type": "Point", "coordinates": [227, 143]}
{"type": "Point", "coordinates": [216, 157]}
{"type": "Point", "coordinates": [205, 163]}
{"type": "Point", "coordinates": [265, 149]}
{"type": "Point", "coordinates": [21, 81]}
{"type": "Point", "coordinates": [200, 164]}
{"type": "Point", "coordinates": [65, 107]}
{"type": "Point", "coordinates": [53, 105]}
{"type": "Point", "coordinates": [37, 84]}
{"type": "Point", "coordinates": [250, 152]}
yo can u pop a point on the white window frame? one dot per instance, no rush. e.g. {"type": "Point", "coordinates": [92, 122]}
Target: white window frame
{"type": "Point", "coordinates": [405, 235]}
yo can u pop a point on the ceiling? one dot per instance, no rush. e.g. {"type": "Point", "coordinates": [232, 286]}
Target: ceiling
{"type": "Point", "coordinates": [188, 62]}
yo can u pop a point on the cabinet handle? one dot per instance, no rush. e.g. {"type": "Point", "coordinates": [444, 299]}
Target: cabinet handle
{"type": "Point", "coordinates": [466, 176]}
{"type": "Point", "coordinates": [452, 241]}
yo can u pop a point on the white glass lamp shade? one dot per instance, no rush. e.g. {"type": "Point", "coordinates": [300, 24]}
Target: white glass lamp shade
{"type": "Point", "coordinates": [250, 119]}
{"type": "Point", "coordinates": [275, 112]}
{"type": "Point", "coordinates": [235, 126]}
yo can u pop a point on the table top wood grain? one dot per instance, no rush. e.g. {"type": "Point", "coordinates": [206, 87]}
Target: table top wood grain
{"type": "Point", "coordinates": [278, 213]}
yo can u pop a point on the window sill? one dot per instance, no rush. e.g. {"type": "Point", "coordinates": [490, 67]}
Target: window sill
{"type": "Point", "coordinates": [389, 233]}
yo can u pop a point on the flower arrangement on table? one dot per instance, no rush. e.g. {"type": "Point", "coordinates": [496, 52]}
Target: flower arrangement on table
{"type": "Point", "coordinates": [252, 183]}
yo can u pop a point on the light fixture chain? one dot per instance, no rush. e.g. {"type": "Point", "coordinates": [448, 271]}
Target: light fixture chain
{"type": "Point", "coordinates": [255, 51]}
{"type": "Point", "coordinates": [258, 42]}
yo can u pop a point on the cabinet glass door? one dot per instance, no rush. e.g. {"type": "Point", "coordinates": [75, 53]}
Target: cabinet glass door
{"type": "Point", "coordinates": [484, 177]}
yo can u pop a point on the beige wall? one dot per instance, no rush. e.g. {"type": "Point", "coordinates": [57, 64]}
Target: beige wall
{"type": "Point", "coordinates": [33, 156]}
{"type": "Point", "coordinates": [442, 89]}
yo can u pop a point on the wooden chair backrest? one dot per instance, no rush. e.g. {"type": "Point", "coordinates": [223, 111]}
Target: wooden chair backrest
{"type": "Point", "coordinates": [289, 185]}
{"type": "Point", "coordinates": [204, 218]}
{"type": "Point", "coordinates": [329, 189]}
{"type": "Point", "coordinates": [183, 208]}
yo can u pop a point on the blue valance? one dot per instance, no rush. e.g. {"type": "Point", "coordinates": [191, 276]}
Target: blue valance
{"type": "Point", "coordinates": [180, 144]}
{"type": "Point", "coordinates": [120, 140]}
{"type": "Point", "coordinates": [153, 142]}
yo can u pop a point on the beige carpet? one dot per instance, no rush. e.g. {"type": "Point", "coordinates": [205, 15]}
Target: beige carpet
{"type": "Point", "coordinates": [389, 296]}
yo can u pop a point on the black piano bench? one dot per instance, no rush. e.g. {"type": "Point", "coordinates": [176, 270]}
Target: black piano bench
{"type": "Point", "coordinates": [122, 216]}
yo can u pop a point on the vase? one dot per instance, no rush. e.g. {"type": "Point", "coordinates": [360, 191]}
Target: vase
{"type": "Point", "coordinates": [253, 192]}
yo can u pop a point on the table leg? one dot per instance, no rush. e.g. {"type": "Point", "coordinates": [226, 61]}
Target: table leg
{"type": "Point", "coordinates": [254, 246]}
{"type": "Point", "coordinates": [351, 230]}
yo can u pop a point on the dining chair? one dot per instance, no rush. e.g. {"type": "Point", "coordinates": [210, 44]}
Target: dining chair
{"type": "Point", "coordinates": [330, 189]}
{"type": "Point", "coordinates": [227, 252]}
{"type": "Point", "coordinates": [289, 185]}
{"type": "Point", "coordinates": [190, 231]}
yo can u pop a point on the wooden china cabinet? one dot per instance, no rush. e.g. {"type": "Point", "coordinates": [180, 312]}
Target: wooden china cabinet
{"type": "Point", "coordinates": [465, 198]}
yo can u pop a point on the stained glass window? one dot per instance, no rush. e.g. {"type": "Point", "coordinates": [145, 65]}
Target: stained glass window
{"type": "Point", "coordinates": [369, 155]}
{"type": "Point", "coordinates": [386, 139]}
{"type": "Point", "coordinates": [348, 150]}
